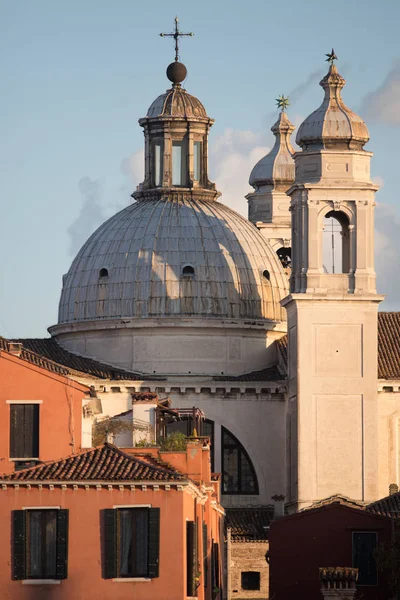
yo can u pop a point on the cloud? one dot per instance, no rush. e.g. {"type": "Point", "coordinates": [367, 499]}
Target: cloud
{"type": "Point", "coordinates": [233, 154]}
{"type": "Point", "coordinates": [132, 168]}
{"type": "Point", "coordinates": [387, 254]}
{"type": "Point", "coordinates": [90, 216]}
{"type": "Point", "coordinates": [383, 105]}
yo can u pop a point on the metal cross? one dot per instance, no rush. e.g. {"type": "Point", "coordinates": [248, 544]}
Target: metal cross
{"type": "Point", "coordinates": [331, 57]}
{"type": "Point", "coordinates": [176, 35]}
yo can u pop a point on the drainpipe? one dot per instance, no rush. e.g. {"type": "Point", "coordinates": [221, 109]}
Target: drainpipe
{"type": "Point", "coordinates": [228, 564]}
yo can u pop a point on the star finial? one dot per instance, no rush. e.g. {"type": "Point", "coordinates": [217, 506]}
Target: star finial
{"type": "Point", "coordinates": [282, 102]}
{"type": "Point", "coordinates": [331, 57]}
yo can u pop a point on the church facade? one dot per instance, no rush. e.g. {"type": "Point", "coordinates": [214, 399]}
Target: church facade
{"type": "Point", "coordinates": [180, 296]}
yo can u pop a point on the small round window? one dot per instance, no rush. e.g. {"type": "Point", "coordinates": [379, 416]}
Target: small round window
{"type": "Point", "coordinates": [188, 271]}
{"type": "Point", "coordinates": [266, 275]}
{"type": "Point", "coordinates": [103, 273]}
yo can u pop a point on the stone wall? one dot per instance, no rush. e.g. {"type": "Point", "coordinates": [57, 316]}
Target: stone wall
{"type": "Point", "coordinates": [248, 557]}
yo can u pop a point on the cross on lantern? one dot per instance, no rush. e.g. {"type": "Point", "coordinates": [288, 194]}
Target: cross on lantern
{"type": "Point", "coordinates": [176, 35]}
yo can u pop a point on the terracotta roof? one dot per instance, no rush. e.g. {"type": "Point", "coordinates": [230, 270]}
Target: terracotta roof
{"type": "Point", "coordinates": [268, 374]}
{"type": "Point", "coordinates": [104, 463]}
{"type": "Point", "coordinates": [335, 499]}
{"type": "Point", "coordinates": [388, 507]}
{"type": "Point", "coordinates": [47, 349]}
{"type": "Point", "coordinates": [33, 357]}
{"type": "Point", "coordinates": [389, 345]}
{"type": "Point", "coordinates": [249, 524]}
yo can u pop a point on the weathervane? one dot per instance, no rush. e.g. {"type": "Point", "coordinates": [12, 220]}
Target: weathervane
{"type": "Point", "coordinates": [176, 35]}
{"type": "Point", "coordinates": [282, 102]}
{"type": "Point", "coordinates": [331, 57]}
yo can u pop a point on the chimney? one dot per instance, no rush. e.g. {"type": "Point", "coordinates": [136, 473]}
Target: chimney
{"type": "Point", "coordinates": [15, 348]}
{"type": "Point", "coordinates": [338, 583]}
{"type": "Point", "coordinates": [393, 489]}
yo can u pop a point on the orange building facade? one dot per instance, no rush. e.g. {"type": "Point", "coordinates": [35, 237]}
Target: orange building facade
{"type": "Point", "coordinates": [101, 522]}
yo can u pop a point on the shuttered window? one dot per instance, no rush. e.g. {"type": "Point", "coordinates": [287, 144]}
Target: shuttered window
{"type": "Point", "coordinates": [215, 581]}
{"type": "Point", "coordinates": [24, 430]}
{"type": "Point", "coordinates": [191, 558]}
{"type": "Point", "coordinates": [131, 542]}
{"type": "Point", "coordinates": [205, 554]}
{"type": "Point", "coordinates": [40, 544]}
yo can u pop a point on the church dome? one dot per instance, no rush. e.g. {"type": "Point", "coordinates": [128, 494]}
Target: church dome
{"type": "Point", "coordinates": [176, 102]}
{"type": "Point", "coordinates": [163, 258]}
{"type": "Point", "coordinates": [333, 124]}
{"type": "Point", "coordinates": [277, 167]}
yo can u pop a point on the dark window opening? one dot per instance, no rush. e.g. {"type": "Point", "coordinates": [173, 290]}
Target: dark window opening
{"type": "Point", "coordinates": [40, 544]}
{"type": "Point", "coordinates": [188, 271]}
{"type": "Point", "coordinates": [266, 275]}
{"type": "Point", "coordinates": [131, 542]}
{"type": "Point", "coordinates": [103, 273]}
{"type": "Point", "coordinates": [336, 243]}
{"type": "Point", "coordinates": [285, 256]}
{"type": "Point", "coordinates": [238, 474]}
{"type": "Point", "coordinates": [364, 545]}
{"type": "Point", "coordinates": [191, 558]}
{"type": "Point", "coordinates": [24, 430]}
{"type": "Point", "coordinates": [250, 580]}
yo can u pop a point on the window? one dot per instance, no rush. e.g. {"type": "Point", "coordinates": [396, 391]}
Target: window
{"type": "Point", "coordinates": [103, 273]}
{"type": "Point", "coordinates": [40, 544]}
{"type": "Point", "coordinates": [179, 163]}
{"type": "Point", "coordinates": [188, 271]}
{"type": "Point", "coordinates": [250, 580]}
{"type": "Point", "coordinates": [131, 542]}
{"type": "Point", "coordinates": [196, 161]}
{"type": "Point", "coordinates": [364, 544]}
{"type": "Point", "coordinates": [24, 431]}
{"type": "Point", "coordinates": [205, 554]}
{"type": "Point", "coordinates": [215, 575]}
{"type": "Point", "coordinates": [158, 163]}
{"type": "Point", "coordinates": [336, 243]}
{"type": "Point", "coordinates": [285, 256]}
{"type": "Point", "coordinates": [191, 558]}
{"type": "Point", "coordinates": [266, 275]}
{"type": "Point", "coordinates": [238, 475]}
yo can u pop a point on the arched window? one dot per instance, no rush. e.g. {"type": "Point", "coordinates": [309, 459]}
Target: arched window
{"type": "Point", "coordinates": [266, 274]}
{"type": "Point", "coordinates": [285, 256]}
{"type": "Point", "coordinates": [238, 474]}
{"type": "Point", "coordinates": [103, 273]}
{"type": "Point", "coordinates": [179, 163]}
{"type": "Point", "coordinates": [188, 271]}
{"type": "Point", "coordinates": [336, 243]}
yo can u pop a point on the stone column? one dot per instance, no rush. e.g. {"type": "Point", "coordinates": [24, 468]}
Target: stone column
{"type": "Point", "coordinates": [338, 583]}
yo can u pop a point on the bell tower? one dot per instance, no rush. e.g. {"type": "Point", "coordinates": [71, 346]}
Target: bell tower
{"type": "Point", "coordinates": [332, 308]}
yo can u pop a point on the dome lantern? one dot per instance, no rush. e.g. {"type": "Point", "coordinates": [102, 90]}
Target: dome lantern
{"type": "Point", "coordinates": [176, 131]}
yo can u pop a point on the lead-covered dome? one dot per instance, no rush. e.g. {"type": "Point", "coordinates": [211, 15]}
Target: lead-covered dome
{"type": "Point", "coordinates": [164, 258]}
{"type": "Point", "coordinates": [333, 124]}
{"type": "Point", "coordinates": [176, 102]}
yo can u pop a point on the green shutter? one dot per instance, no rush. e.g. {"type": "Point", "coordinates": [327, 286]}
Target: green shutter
{"type": "Point", "coordinates": [16, 430]}
{"type": "Point", "coordinates": [154, 542]}
{"type": "Point", "coordinates": [19, 544]}
{"type": "Point", "coordinates": [205, 551]}
{"type": "Point", "coordinates": [191, 557]}
{"type": "Point", "coordinates": [110, 537]}
{"type": "Point", "coordinates": [62, 544]}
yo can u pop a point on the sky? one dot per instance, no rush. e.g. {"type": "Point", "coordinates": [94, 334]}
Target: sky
{"type": "Point", "coordinates": [78, 75]}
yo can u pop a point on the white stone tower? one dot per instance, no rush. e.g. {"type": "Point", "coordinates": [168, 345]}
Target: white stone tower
{"type": "Point", "coordinates": [332, 317]}
{"type": "Point", "coordinates": [271, 178]}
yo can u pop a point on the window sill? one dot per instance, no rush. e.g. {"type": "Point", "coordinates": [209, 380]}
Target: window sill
{"type": "Point", "coordinates": [130, 579]}
{"type": "Point", "coordinates": [41, 582]}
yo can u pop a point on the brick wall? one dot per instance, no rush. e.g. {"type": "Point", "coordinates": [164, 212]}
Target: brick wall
{"type": "Point", "coordinates": [249, 557]}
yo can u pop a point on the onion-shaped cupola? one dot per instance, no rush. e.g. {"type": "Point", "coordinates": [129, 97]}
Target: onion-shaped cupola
{"type": "Point", "coordinates": [277, 168]}
{"type": "Point", "coordinates": [176, 130]}
{"type": "Point", "coordinates": [333, 125]}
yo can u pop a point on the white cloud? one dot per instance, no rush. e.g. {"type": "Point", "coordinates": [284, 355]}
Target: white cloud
{"type": "Point", "coordinates": [90, 216]}
{"type": "Point", "coordinates": [383, 104]}
{"type": "Point", "coordinates": [233, 154]}
{"type": "Point", "coordinates": [387, 254]}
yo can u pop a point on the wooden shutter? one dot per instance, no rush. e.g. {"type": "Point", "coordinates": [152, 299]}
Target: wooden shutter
{"type": "Point", "coordinates": [154, 542]}
{"type": "Point", "coordinates": [19, 544]}
{"type": "Point", "coordinates": [17, 430]}
{"type": "Point", "coordinates": [110, 538]}
{"type": "Point", "coordinates": [191, 557]}
{"type": "Point", "coordinates": [62, 544]}
{"type": "Point", "coordinates": [205, 549]}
